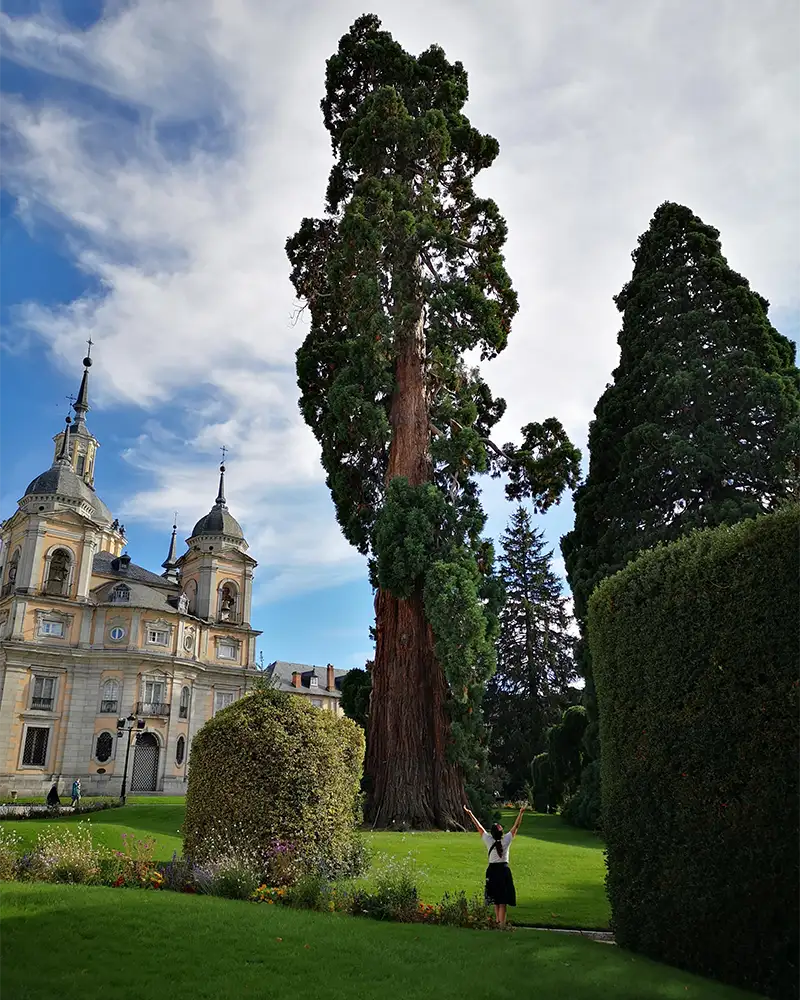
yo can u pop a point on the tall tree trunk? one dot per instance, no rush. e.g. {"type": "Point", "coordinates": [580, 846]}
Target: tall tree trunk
{"type": "Point", "coordinates": [412, 782]}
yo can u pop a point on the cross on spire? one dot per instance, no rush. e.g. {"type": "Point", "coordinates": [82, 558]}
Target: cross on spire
{"type": "Point", "coordinates": [224, 451]}
{"type": "Point", "coordinates": [89, 342]}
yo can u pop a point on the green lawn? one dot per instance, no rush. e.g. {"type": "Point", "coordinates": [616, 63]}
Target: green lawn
{"type": "Point", "coordinates": [559, 871]}
{"type": "Point", "coordinates": [79, 943]}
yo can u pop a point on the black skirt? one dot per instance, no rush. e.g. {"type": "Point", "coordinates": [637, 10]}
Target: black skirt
{"type": "Point", "coordinates": [500, 889]}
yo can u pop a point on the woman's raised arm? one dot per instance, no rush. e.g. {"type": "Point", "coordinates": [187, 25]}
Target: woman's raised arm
{"type": "Point", "coordinates": [475, 822]}
{"type": "Point", "coordinates": [515, 827]}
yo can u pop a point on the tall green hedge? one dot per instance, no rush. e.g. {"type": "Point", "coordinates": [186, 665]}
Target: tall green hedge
{"type": "Point", "coordinates": [696, 651]}
{"type": "Point", "coordinates": [269, 768]}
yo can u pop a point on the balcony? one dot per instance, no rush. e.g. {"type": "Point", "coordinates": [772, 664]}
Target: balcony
{"type": "Point", "coordinates": [42, 704]}
{"type": "Point", "coordinates": [152, 709]}
{"type": "Point", "coordinates": [109, 706]}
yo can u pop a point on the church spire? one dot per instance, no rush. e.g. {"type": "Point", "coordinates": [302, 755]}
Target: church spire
{"type": "Point", "coordinates": [63, 455]}
{"type": "Point", "coordinates": [81, 404]}
{"type": "Point", "coordinates": [170, 563]}
{"type": "Point", "coordinates": [221, 501]}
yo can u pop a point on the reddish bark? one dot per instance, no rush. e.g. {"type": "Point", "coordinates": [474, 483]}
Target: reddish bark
{"type": "Point", "coordinates": [412, 782]}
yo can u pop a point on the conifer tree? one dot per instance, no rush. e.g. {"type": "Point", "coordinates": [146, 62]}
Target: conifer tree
{"type": "Point", "coordinates": [701, 424]}
{"type": "Point", "coordinates": [535, 649]}
{"type": "Point", "coordinates": [402, 276]}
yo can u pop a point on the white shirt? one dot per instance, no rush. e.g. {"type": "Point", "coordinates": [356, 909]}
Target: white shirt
{"type": "Point", "coordinates": [488, 840]}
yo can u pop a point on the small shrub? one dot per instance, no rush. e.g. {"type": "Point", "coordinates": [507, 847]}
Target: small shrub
{"type": "Point", "coordinates": [309, 892]}
{"type": "Point", "coordinates": [176, 874]}
{"type": "Point", "coordinates": [66, 855]}
{"type": "Point", "coordinates": [9, 855]}
{"type": "Point", "coordinates": [269, 894]}
{"type": "Point", "coordinates": [459, 910]}
{"type": "Point", "coordinates": [133, 865]}
{"type": "Point", "coordinates": [234, 874]}
{"type": "Point", "coordinates": [393, 894]}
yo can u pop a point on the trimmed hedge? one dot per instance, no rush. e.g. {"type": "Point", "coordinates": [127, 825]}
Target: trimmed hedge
{"type": "Point", "coordinates": [272, 768]}
{"type": "Point", "coordinates": [695, 647]}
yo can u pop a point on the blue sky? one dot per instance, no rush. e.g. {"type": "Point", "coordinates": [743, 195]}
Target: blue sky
{"type": "Point", "coordinates": [156, 155]}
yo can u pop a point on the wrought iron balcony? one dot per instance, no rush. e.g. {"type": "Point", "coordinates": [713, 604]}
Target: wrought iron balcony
{"type": "Point", "coordinates": [153, 708]}
{"type": "Point", "coordinates": [109, 706]}
{"type": "Point", "coordinates": [42, 704]}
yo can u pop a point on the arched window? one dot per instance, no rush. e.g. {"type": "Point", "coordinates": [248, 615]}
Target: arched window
{"type": "Point", "coordinates": [190, 593]}
{"type": "Point", "coordinates": [183, 708]}
{"type": "Point", "coordinates": [227, 601]}
{"type": "Point", "coordinates": [120, 594]}
{"type": "Point", "coordinates": [11, 573]}
{"type": "Point", "coordinates": [58, 573]}
{"type": "Point", "coordinates": [103, 747]}
{"type": "Point", "coordinates": [180, 750]}
{"type": "Point", "coordinates": [110, 699]}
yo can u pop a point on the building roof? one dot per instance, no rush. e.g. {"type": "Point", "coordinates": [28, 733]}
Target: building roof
{"type": "Point", "coordinates": [60, 480]}
{"type": "Point", "coordinates": [107, 564]}
{"type": "Point", "coordinates": [283, 671]}
{"type": "Point", "coordinates": [141, 596]}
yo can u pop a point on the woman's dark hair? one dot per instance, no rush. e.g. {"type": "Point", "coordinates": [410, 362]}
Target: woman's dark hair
{"type": "Point", "coordinates": [497, 834]}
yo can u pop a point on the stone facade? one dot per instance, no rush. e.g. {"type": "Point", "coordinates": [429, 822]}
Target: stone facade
{"type": "Point", "coordinates": [88, 638]}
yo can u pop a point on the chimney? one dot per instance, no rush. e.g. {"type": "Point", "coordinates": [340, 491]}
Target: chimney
{"type": "Point", "coordinates": [296, 678]}
{"type": "Point", "coordinates": [331, 678]}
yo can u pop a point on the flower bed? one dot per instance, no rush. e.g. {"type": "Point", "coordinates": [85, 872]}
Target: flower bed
{"type": "Point", "coordinates": [70, 855]}
{"type": "Point", "coordinates": [38, 811]}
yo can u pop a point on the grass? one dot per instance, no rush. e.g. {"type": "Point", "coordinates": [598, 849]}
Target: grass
{"type": "Point", "coordinates": [559, 871]}
{"type": "Point", "coordinates": [80, 943]}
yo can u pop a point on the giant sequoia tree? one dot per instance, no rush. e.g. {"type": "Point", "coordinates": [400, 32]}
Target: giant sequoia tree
{"type": "Point", "coordinates": [701, 424]}
{"type": "Point", "coordinates": [402, 276]}
{"type": "Point", "coordinates": [535, 654]}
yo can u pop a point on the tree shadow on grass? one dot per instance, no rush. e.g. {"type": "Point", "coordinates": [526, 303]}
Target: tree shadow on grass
{"type": "Point", "coordinates": [217, 948]}
{"type": "Point", "coordinates": [554, 830]}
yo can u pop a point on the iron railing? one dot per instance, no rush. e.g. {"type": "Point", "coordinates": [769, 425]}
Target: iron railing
{"type": "Point", "coordinates": [42, 704]}
{"type": "Point", "coordinates": [109, 706]}
{"type": "Point", "coordinates": [151, 708]}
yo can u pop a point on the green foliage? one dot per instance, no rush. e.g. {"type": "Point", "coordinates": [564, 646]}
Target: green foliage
{"type": "Point", "coordinates": [356, 688]}
{"type": "Point", "coordinates": [392, 894]}
{"type": "Point", "coordinates": [535, 662]}
{"type": "Point", "coordinates": [701, 424]}
{"type": "Point", "coordinates": [271, 768]}
{"type": "Point", "coordinates": [406, 272]}
{"type": "Point", "coordinates": [67, 854]}
{"type": "Point", "coordinates": [694, 647]}
{"type": "Point", "coordinates": [584, 808]}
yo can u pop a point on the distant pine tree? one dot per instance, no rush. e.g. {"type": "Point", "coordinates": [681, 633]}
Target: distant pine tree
{"type": "Point", "coordinates": [535, 663]}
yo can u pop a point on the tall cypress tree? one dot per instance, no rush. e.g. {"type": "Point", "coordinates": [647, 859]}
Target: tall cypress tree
{"type": "Point", "coordinates": [402, 276]}
{"type": "Point", "coordinates": [535, 653]}
{"type": "Point", "coordinates": [701, 424]}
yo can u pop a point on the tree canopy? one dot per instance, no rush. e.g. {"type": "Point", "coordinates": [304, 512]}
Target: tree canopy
{"type": "Point", "coordinates": [401, 278]}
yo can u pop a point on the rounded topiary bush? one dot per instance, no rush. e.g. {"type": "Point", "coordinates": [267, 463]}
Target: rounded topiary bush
{"type": "Point", "coordinates": [273, 770]}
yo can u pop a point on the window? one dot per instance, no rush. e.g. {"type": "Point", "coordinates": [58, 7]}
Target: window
{"type": "Point", "coordinates": [227, 650]}
{"type": "Point", "coordinates": [227, 601]}
{"type": "Point", "coordinates": [316, 702]}
{"type": "Point", "coordinates": [154, 692]}
{"type": "Point", "coordinates": [120, 594]}
{"type": "Point", "coordinates": [34, 753]}
{"type": "Point", "coordinates": [117, 633]}
{"type": "Point", "coordinates": [313, 681]}
{"type": "Point", "coordinates": [222, 699]}
{"type": "Point", "coordinates": [44, 693]}
{"type": "Point", "coordinates": [103, 747]}
{"type": "Point", "coordinates": [51, 628]}
{"type": "Point", "coordinates": [57, 582]}
{"type": "Point", "coordinates": [11, 573]}
{"type": "Point", "coordinates": [158, 636]}
{"type": "Point", "coordinates": [183, 708]}
{"type": "Point", "coordinates": [180, 750]}
{"type": "Point", "coordinates": [80, 468]}
{"type": "Point", "coordinates": [110, 699]}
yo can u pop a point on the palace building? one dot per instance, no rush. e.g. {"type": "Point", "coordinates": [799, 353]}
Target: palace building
{"type": "Point", "coordinates": [88, 638]}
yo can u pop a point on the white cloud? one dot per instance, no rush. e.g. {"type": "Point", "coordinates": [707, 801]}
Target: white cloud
{"type": "Point", "coordinates": [602, 112]}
